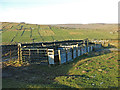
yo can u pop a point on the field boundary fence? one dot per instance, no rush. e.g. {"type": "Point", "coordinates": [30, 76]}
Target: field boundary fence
{"type": "Point", "coordinates": [49, 52]}
{"type": "Point", "coordinates": [9, 52]}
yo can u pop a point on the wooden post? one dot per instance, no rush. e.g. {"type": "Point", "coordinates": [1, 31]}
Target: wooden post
{"type": "Point", "coordinates": [104, 43]}
{"type": "Point", "coordinates": [66, 54]}
{"type": "Point", "coordinates": [77, 51]}
{"type": "Point", "coordinates": [72, 52]}
{"type": "Point", "coordinates": [10, 55]}
{"type": "Point", "coordinates": [87, 42]}
{"type": "Point", "coordinates": [42, 44]}
{"type": "Point", "coordinates": [29, 55]}
{"type": "Point", "coordinates": [59, 57]}
{"type": "Point", "coordinates": [47, 56]}
{"type": "Point", "coordinates": [19, 52]}
{"type": "Point", "coordinates": [21, 55]}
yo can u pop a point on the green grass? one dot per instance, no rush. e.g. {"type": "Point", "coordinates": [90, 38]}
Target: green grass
{"type": "Point", "coordinates": [8, 36]}
{"type": "Point", "coordinates": [94, 31]}
{"type": "Point", "coordinates": [90, 74]}
{"type": "Point", "coordinates": [94, 70]}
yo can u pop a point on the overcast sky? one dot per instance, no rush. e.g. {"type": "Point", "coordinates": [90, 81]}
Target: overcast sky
{"type": "Point", "coordinates": [59, 11]}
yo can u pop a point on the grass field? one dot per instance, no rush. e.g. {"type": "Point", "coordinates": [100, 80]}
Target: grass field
{"type": "Point", "coordinates": [21, 32]}
{"type": "Point", "coordinates": [94, 70]}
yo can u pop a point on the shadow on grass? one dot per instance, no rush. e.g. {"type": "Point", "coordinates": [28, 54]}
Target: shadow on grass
{"type": "Point", "coordinates": [39, 76]}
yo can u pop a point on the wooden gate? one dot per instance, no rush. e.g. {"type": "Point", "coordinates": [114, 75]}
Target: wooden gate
{"type": "Point", "coordinates": [35, 55]}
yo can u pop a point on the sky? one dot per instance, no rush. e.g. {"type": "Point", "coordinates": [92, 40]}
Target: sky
{"type": "Point", "coordinates": [59, 11]}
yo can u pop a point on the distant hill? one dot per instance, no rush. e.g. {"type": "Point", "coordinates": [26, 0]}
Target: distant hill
{"type": "Point", "coordinates": [24, 32]}
{"type": "Point", "coordinates": [90, 26]}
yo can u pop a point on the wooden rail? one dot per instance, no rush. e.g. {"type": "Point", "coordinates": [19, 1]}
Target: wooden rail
{"type": "Point", "coordinates": [54, 55]}
{"type": "Point", "coordinates": [52, 52]}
